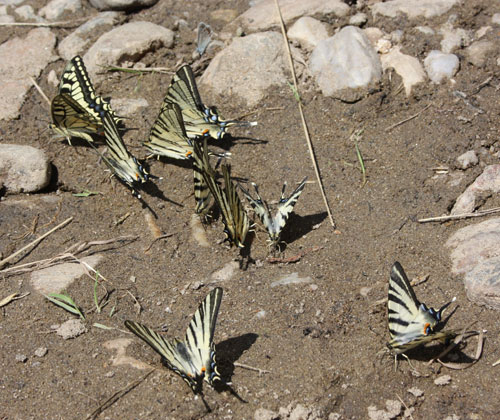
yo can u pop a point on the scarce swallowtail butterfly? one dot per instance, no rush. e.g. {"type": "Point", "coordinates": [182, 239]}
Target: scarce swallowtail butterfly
{"type": "Point", "coordinates": [194, 358]}
{"type": "Point", "coordinates": [411, 323]}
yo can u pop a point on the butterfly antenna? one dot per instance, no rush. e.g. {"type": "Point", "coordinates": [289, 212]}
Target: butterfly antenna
{"type": "Point", "coordinates": [440, 312]}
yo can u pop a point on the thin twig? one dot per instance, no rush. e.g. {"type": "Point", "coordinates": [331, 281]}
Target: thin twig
{"type": "Point", "coordinates": [241, 365]}
{"type": "Point", "coordinates": [63, 24]}
{"type": "Point", "coordinates": [40, 91]}
{"type": "Point", "coordinates": [407, 119]}
{"type": "Point", "coordinates": [139, 71]}
{"type": "Point", "coordinates": [479, 213]}
{"type": "Point", "coordinates": [304, 124]}
{"type": "Point", "coordinates": [168, 235]}
{"type": "Point", "coordinates": [117, 395]}
{"type": "Point", "coordinates": [35, 242]}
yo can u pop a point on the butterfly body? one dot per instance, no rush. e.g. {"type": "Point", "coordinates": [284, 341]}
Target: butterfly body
{"type": "Point", "coordinates": [411, 323]}
{"type": "Point", "coordinates": [194, 358]}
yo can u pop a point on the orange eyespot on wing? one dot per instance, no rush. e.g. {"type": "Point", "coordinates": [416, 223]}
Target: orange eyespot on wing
{"type": "Point", "coordinates": [426, 328]}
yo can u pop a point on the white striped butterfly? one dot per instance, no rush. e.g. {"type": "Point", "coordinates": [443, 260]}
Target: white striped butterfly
{"type": "Point", "coordinates": [411, 323]}
{"type": "Point", "coordinates": [194, 358]}
{"type": "Point", "coordinates": [274, 224]}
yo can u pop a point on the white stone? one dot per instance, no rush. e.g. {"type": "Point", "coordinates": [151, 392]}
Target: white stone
{"type": "Point", "coordinates": [249, 66]}
{"type": "Point", "coordinates": [416, 392]}
{"type": "Point", "coordinates": [441, 66]}
{"type": "Point", "coordinates": [41, 351]}
{"type": "Point", "coordinates": [482, 31]}
{"type": "Point", "coordinates": [23, 168]}
{"type": "Point", "coordinates": [55, 8]}
{"type": "Point", "coordinates": [265, 414]}
{"type": "Point", "coordinates": [346, 61]}
{"type": "Point", "coordinates": [408, 67]}
{"type": "Point", "coordinates": [482, 283]}
{"type": "Point", "coordinates": [426, 30]}
{"type": "Point", "coordinates": [373, 35]}
{"type": "Point", "coordinates": [20, 59]}
{"type": "Point", "coordinates": [7, 19]}
{"type": "Point", "coordinates": [358, 19]}
{"type": "Point", "coordinates": [413, 8]}
{"type": "Point", "coordinates": [11, 2]}
{"type": "Point", "coordinates": [58, 277]}
{"type": "Point", "coordinates": [478, 52]}
{"type": "Point", "coordinates": [75, 43]}
{"type": "Point", "coordinates": [474, 244]}
{"type": "Point", "coordinates": [308, 32]}
{"type": "Point", "coordinates": [227, 272]}
{"type": "Point", "coordinates": [488, 181]}
{"type": "Point", "coordinates": [71, 329]}
{"type": "Point", "coordinates": [291, 279]}
{"type": "Point", "coordinates": [442, 380]}
{"type": "Point", "coordinates": [127, 42]}
{"type": "Point", "coordinates": [454, 38]}
{"type": "Point", "coordinates": [128, 107]}
{"type": "Point", "coordinates": [495, 19]}
{"type": "Point", "coordinates": [3, 10]}
{"type": "Point", "coordinates": [383, 46]}
{"type": "Point", "coordinates": [467, 159]}
{"type": "Point", "coordinates": [262, 15]}
{"type": "Point", "coordinates": [122, 4]}
{"type": "Point", "coordinates": [27, 13]}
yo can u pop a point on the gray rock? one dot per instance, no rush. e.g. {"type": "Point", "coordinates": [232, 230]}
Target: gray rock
{"type": "Point", "coordinates": [345, 62]}
{"type": "Point", "coordinates": [227, 272]}
{"type": "Point", "coordinates": [482, 283]}
{"type": "Point", "coordinates": [75, 43]}
{"type": "Point", "coordinates": [264, 414]}
{"type": "Point", "coordinates": [441, 66]}
{"type": "Point", "coordinates": [41, 351]}
{"type": "Point", "coordinates": [71, 328]}
{"type": "Point", "coordinates": [262, 15]}
{"type": "Point", "coordinates": [58, 277]}
{"type": "Point", "coordinates": [454, 38]}
{"type": "Point", "coordinates": [27, 13]}
{"type": "Point", "coordinates": [479, 51]}
{"type": "Point", "coordinates": [474, 244]}
{"type": "Point", "coordinates": [127, 107]}
{"type": "Point", "coordinates": [359, 19]}
{"type": "Point", "coordinates": [496, 19]}
{"type": "Point", "coordinates": [408, 67]}
{"type": "Point", "coordinates": [23, 168]}
{"type": "Point", "coordinates": [125, 5]}
{"type": "Point", "coordinates": [56, 8]}
{"type": "Point", "coordinates": [467, 159]}
{"type": "Point", "coordinates": [7, 19]}
{"type": "Point", "coordinates": [413, 8]}
{"type": "Point", "coordinates": [129, 42]}
{"type": "Point", "coordinates": [21, 58]}
{"type": "Point", "coordinates": [442, 380]}
{"type": "Point", "coordinates": [248, 67]}
{"type": "Point", "coordinates": [21, 358]}
{"type": "Point", "coordinates": [426, 30]}
{"type": "Point", "coordinates": [308, 32]}
{"type": "Point", "coordinates": [291, 279]}
{"type": "Point", "coordinates": [488, 181]}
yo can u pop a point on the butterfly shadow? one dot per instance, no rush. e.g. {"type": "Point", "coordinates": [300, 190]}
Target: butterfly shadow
{"type": "Point", "coordinates": [229, 352]}
{"type": "Point", "coordinates": [228, 141]}
{"type": "Point", "coordinates": [298, 226]}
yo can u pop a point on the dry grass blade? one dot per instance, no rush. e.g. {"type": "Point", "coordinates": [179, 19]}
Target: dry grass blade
{"type": "Point", "coordinates": [479, 213]}
{"type": "Point", "coordinates": [241, 365]}
{"type": "Point", "coordinates": [407, 119]}
{"type": "Point", "coordinates": [304, 124]}
{"type": "Point", "coordinates": [35, 242]}
{"type": "Point", "coordinates": [40, 91]}
{"type": "Point", "coordinates": [11, 298]}
{"type": "Point", "coordinates": [63, 24]}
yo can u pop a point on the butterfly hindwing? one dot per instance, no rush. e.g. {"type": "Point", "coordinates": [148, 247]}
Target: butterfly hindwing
{"type": "Point", "coordinates": [193, 358]}
{"type": "Point", "coordinates": [411, 323]}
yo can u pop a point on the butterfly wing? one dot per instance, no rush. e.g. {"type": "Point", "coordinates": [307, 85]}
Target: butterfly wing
{"type": "Point", "coordinates": [200, 335]}
{"type": "Point", "coordinates": [411, 323]}
{"type": "Point", "coordinates": [201, 169]}
{"type": "Point", "coordinates": [71, 120]}
{"type": "Point", "coordinates": [168, 135]}
{"type": "Point", "coordinates": [204, 38]}
{"type": "Point", "coordinates": [175, 354]}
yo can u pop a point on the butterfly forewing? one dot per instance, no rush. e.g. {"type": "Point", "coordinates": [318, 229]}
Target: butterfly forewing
{"type": "Point", "coordinates": [411, 323]}
{"type": "Point", "coordinates": [193, 358]}
{"type": "Point", "coordinates": [201, 169]}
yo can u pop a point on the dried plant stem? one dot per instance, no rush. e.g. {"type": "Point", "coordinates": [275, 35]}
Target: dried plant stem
{"type": "Point", "coordinates": [304, 124]}
{"type": "Point", "coordinates": [407, 119]}
{"type": "Point", "coordinates": [63, 24]}
{"type": "Point", "coordinates": [35, 242]}
{"type": "Point", "coordinates": [40, 91]}
{"type": "Point", "coordinates": [479, 213]}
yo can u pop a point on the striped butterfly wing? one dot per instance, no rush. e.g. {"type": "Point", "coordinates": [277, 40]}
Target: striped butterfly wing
{"type": "Point", "coordinates": [204, 37]}
{"type": "Point", "coordinates": [411, 323]}
{"type": "Point", "coordinates": [274, 225]}
{"type": "Point", "coordinates": [71, 120]}
{"type": "Point", "coordinates": [120, 161]}
{"type": "Point", "coordinates": [234, 215]}
{"type": "Point", "coordinates": [201, 169]}
{"type": "Point", "coordinates": [194, 358]}
{"type": "Point", "coordinates": [76, 83]}
{"type": "Point", "coordinates": [168, 135]}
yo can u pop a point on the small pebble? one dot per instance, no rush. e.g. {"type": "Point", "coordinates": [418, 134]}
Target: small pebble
{"type": "Point", "coordinates": [443, 380]}
{"type": "Point", "coordinates": [109, 374]}
{"type": "Point", "coordinates": [21, 358]}
{"type": "Point", "coordinates": [41, 351]}
{"type": "Point", "coordinates": [416, 392]}
{"type": "Point", "coordinates": [260, 314]}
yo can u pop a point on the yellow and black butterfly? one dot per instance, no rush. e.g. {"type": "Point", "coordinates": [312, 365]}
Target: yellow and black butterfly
{"type": "Point", "coordinates": [198, 119]}
{"type": "Point", "coordinates": [274, 224]}
{"type": "Point", "coordinates": [234, 215]}
{"type": "Point", "coordinates": [194, 358]}
{"type": "Point", "coordinates": [411, 323]}
{"type": "Point", "coordinates": [201, 165]}
{"type": "Point", "coordinates": [76, 110]}
{"type": "Point", "coordinates": [168, 135]}
{"type": "Point", "coordinates": [119, 160]}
